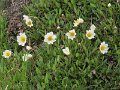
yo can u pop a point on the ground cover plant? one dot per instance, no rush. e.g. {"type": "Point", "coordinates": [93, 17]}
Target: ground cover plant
{"type": "Point", "coordinates": [64, 45]}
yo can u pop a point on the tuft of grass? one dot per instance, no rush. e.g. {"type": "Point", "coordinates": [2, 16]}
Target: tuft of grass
{"type": "Point", "coordinates": [49, 69]}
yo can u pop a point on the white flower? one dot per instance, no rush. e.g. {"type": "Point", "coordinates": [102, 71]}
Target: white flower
{"type": "Point", "coordinates": [28, 47]}
{"type": "Point", "coordinates": [25, 17]}
{"type": "Point", "coordinates": [62, 15]}
{"type": "Point", "coordinates": [78, 21]}
{"type": "Point", "coordinates": [50, 38]}
{"type": "Point", "coordinates": [94, 71]}
{"type": "Point", "coordinates": [79, 44]}
{"type": "Point", "coordinates": [7, 53]}
{"type": "Point", "coordinates": [118, 1]}
{"type": "Point", "coordinates": [25, 57]}
{"type": "Point", "coordinates": [29, 22]}
{"type": "Point", "coordinates": [21, 39]}
{"type": "Point", "coordinates": [71, 34]}
{"type": "Point", "coordinates": [92, 27]}
{"type": "Point", "coordinates": [66, 51]}
{"type": "Point", "coordinates": [109, 4]}
{"type": "Point", "coordinates": [115, 27]}
{"type": "Point", "coordinates": [58, 27]}
{"type": "Point", "coordinates": [103, 48]}
{"type": "Point", "coordinates": [90, 34]}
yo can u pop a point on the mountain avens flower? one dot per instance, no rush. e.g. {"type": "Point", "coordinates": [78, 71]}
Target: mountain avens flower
{"type": "Point", "coordinates": [7, 54]}
{"type": "Point", "coordinates": [29, 22]}
{"type": "Point", "coordinates": [71, 34]}
{"type": "Point", "coordinates": [66, 51]}
{"type": "Point", "coordinates": [21, 39]}
{"type": "Point", "coordinates": [25, 57]}
{"type": "Point", "coordinates": [103, 48]}
{"type": "Point", "coordinates": [25, 17]}
{"type": "Point", "coordinates": [28, 47]}
{"type": "Point", "coordinates": [58, 27]}
{"type": "Point", "coordinates": [50, 38]}
{"type": "Point", "coordinates": [78, 21]}
{"type": "Point", "coordinates": [90, 34]}
{"type": "Point", "coordinates": [92, 27]}
{"type": "Point", "coordinates": [109, 4]}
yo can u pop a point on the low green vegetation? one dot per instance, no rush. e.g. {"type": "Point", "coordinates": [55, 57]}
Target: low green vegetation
{"type": "Point", "coordinates": [86, 68]}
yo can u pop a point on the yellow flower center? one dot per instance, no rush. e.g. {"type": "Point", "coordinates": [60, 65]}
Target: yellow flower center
{"type": "Point", "coordinates": [22, 39]}
{"type": "Point", "coordinates": [50, 38]}
{"type": "Point", "coordinates": [102, 47]}
{"type": "Point", "coordinates": [7, 54]}
{"type": "Point", "coordinates": [29, 22]}
{"type": "Point", "coordinates": [72, 34]}
{"type": "Point", "coordinates": [77, 22]}
{"type": "Point", "coordinates": [89, 34]}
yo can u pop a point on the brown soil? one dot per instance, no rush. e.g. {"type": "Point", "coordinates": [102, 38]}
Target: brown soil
{"type": "Point", "coordinates": [14, 14]}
